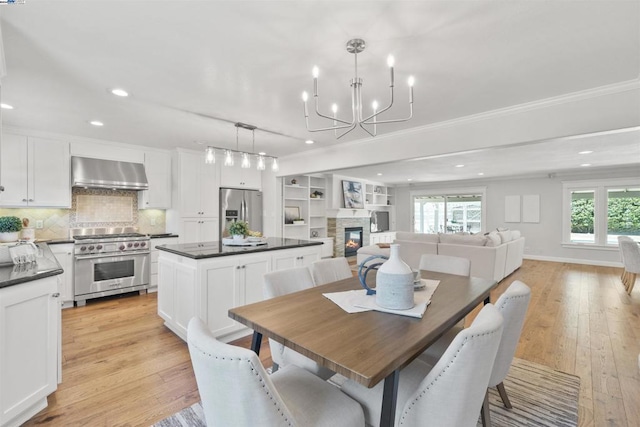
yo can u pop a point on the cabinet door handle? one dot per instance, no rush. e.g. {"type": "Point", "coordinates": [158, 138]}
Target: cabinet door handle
{"type": "Point", "coordinates": [237, 267]}
{"type": "Point", "coordinates": [1, 187]}
{"type": "Point", "coordinates": [56, 295]}
{"type": "Point", "coordinates": [24, 200]}
{"type": "Point", "coordinates": [31, 200]}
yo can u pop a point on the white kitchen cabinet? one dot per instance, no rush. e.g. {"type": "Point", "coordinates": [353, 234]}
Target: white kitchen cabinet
{"type": "Point", "coordinates": [157, 166]}
{"type": "Point", "coordinates": [176, 295]}
{"type": "Point", "coordinates": [196, 230]}
{"type": "Point", "coordinates": [34, 172]}
{"type": "Point", "coordinates": [29, 348]}
{"type": "Point", "coordinates": [302, 257]}
{"type": "Point", "coordinates": [230, 282]}
{"type": "Point", "coordinates": [153, 267]}
{"type": "Point", "coordinates": [64, 255]}
{"type": "Point", "coordinates": [237, 177]}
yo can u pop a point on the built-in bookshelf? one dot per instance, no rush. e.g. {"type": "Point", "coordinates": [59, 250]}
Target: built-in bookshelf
{"type": "Point", "coordinates": [304, 197]}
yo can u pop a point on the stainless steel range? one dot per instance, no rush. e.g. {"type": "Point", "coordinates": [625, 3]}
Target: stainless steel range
{"type": "Point", "coordinates": [109, 261]}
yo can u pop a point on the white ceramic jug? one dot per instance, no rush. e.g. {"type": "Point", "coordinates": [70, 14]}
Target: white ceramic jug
{"type": "Point", "coordinates": [394, 282]}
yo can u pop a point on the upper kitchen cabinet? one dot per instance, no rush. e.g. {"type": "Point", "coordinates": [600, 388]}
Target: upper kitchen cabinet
{"type": "Point", "coordinates": [157, 166]}
{"type": "Point", "coordinates": [34, 172]}
{"type": "Point", "coordinates": [238, 177]}
{"type": "Point", "coordinates": [196, 185]}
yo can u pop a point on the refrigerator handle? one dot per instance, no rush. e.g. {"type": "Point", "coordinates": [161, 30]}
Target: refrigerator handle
{"type": "Point", "coordinates": [243, 210]}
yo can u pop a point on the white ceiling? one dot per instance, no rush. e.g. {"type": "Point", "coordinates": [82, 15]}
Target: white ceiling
{"type": "Point", "coordinates": [194, 68]}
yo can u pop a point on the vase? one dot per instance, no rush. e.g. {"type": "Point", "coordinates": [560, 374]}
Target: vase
{"type": "Point", "coordinates": [394, 282]}
{"type": "Point", "coordinates": [11, 236]}
{"type": "Point", "coordinates": [238, 237]}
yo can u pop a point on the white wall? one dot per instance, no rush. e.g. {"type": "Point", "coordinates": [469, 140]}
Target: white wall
{"type": "Point", "coordinates": [543, 239]}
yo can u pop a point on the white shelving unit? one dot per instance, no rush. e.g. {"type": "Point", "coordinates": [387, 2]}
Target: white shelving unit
{"type": "Point", "coordinates": [378, 195]}
{"type": "Point", "coordinates": [305, 194]}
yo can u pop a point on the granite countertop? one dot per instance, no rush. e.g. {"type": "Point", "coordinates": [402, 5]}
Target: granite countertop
{"type": "Point", "coordinates": [45, 265]}
{"type": "Point", "coordinates": [217, 249]}
{"type": "Point", "coordinates": [162, 235]}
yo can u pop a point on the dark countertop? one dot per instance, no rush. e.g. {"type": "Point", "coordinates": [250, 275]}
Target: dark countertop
{"type": "Point", "coordinates": [45, 265]}
{"type": "Point", "coordinates": [55, 241]}
{"type": "Point", "coordinates": [217, 249]}
{"type": "Point", "coordinates": [162, 235]}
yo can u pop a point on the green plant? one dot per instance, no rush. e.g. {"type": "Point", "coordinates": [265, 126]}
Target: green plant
{"type": "Point", "coordinates": [10, 224]}
{"type": "Point", "coordinates": [239, 228]}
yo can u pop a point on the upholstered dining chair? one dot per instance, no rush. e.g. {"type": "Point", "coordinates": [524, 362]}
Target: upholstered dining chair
{"type": "Point", "coordinates": [445, 264]}
{"type": "Point", "coordinates": [512, 304]}
{"type": "Point", "coordinates": [631, 258]}
{"type": "Point", "coordinates": [624, 272]}
{"type": "Point", "coordinates": [450, 393]}
{"type": "Point", "coordinates": [330, 270]}
{"type": "Point", "coordinates": [236, 390]}
{"type": "Point", "coordinates": [283, 282]}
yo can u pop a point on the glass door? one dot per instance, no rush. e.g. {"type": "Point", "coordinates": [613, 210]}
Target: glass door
{"type": "Point", "coordinates": [447, 213]}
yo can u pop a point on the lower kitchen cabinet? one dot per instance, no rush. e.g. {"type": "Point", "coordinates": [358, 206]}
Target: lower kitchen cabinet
{"type": "Point", "coordinates": [64, 255]}
{"type": "Point", "coordinates": [30, 343]}
{"type": "Point", "coordinates": [209, 287]}
{"type": "Point", "coordinates": [302, 257]}
{"type": "Point", "coordinates": [155, 242]}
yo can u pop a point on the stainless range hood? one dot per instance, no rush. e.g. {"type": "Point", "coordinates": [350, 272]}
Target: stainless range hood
{"type": "Point", "coordinates": [97, 173]}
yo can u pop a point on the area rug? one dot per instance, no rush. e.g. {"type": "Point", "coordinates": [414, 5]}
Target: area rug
{"type": "Point", "coordinates": [540, 397]}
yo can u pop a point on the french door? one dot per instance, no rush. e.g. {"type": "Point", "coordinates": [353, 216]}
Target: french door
{"type": "Point", "coordinates": [448, 213]}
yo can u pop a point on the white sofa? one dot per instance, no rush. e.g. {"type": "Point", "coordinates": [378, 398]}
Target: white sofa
{"type": "Point", "coordinates": [493, 256]}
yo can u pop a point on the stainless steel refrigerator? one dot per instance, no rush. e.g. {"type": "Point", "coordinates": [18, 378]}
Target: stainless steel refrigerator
{"type": "Point", "coordinates": [243, 205]}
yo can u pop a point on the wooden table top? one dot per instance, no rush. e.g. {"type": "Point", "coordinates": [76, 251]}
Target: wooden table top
{"type": "Point", "coordinates": [365, 347]}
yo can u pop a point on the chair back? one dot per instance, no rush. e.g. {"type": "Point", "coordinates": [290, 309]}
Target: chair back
{"type": "Point", "coordinates": [330, 270]}
{"type": "Point", "coordinates": [620, 239]}
{"type": "Point", "coordinates": [512, 304]}
{"type": "Point", "coordinates": [453, 391]}
{"type": "Point", "coordinates": [630, 255]}
{"type": "Point", "coordinates": [234, 387]}
{"type": "Point", "coordinates": [283, 282]}
{"type": "Point", "coordinates": [445, 264]}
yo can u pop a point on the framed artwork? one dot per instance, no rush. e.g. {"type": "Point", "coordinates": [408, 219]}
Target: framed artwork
{"type": "Point", "coordinates": [291, 213]}
{"type": "Point", "coordinates": [352, 194]}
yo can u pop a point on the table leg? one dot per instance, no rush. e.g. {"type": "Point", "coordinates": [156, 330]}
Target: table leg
{"type": "Point", "coordinates": [487, 300]}
{"type": "Point", "coordinates": [256, 341]}
{"type": "Point", "coordinates": [390, 399]}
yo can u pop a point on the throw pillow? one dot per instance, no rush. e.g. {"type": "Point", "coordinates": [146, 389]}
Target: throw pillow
{"type": "Point", "coordinates": [515, 234]}
{"type": "Point", "coordinates": [505, 236]}
{"type": "Point", "coordinates": [493, 239]}
{"type": "Point", "coordinates": [457, 239]}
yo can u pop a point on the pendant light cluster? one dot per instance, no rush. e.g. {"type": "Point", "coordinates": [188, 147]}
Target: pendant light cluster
{"type": "Point", "coordinates": [245, 157]}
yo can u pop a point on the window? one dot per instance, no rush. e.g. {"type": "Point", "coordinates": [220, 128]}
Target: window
{"type": "Point", "coordinates": [597, 212]}
{"type": "Point", "coordinates": [448, 213]}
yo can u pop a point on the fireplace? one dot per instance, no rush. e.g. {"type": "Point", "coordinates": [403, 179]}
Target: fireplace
{"type": "Point", "coordinates": [352, 240]}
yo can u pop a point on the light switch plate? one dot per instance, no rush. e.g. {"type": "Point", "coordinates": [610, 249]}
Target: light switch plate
{"type": "Point", "coordinates": [39, 223]}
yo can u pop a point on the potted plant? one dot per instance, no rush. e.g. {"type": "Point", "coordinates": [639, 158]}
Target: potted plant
{"type": "Point", "coordinates": [298, 221]}
{"type": "Point", "coordinates": [10, 227]}
{"type": "Point", "coordinates": [239, 229]}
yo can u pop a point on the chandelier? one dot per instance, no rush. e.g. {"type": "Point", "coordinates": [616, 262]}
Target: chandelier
{"type": "Point", "coordinates": [245, 156]}
{"type": "Point", "coordinates": [356, 46]}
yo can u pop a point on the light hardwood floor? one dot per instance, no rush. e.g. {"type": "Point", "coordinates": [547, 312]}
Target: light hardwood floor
{"type": "Point", "coordinates": [122, 367]}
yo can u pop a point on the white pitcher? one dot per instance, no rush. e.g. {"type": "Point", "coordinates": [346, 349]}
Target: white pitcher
{"type": "Point", "coordinates": [394, 283]}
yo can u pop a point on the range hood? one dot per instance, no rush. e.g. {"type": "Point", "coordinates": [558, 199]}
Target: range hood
{"type": "Point", "coordinates": [98, 173]}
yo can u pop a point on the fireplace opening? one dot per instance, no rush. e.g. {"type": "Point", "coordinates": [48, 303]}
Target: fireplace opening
{"type": "Point", "coordinates": [352, 241]}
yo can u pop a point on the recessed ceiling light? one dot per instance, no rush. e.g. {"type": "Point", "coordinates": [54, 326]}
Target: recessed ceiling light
{"type": "Point", "coordinates": [586, 152]}
{"type": "Point", "coordinates": [262, 153]}
{"type": "Point", "coordinates": [585, 165]}
{"type": "Point", "coordinates": [96, 123]}
{"type": "Point", "coordinates": [409, 179]}
{"type": "Point", "coordinates": [480, 173]}
{"type": "Point", "coordinates": [379, 174]}
{"type": "Point", "coordinates": [309, 141]}
{"type": "Point", "coordinates": [459, 166]}
{"type": "Point", "coordinates": [120, 92]}
{"type": "Point", "coordinates": [6, 106]}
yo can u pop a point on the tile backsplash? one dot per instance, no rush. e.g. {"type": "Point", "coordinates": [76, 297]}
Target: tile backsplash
{"type": "Point", "coordinates": [92, 208]}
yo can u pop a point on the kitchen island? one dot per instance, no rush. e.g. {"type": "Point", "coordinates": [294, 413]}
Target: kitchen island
{"type": "Point", "coordinates": [30, 338]}
{"type": "Point", "coordinates": [207, 279]}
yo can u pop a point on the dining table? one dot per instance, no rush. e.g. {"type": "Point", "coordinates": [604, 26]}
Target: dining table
{"type": "Point", "coordinates": [366, 347]}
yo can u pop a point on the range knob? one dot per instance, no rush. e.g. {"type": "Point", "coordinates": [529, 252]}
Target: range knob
{"type": "Point", "coordinates": [143, 244]}
{"type": "Point", "coordinates": [99, 247]}
{"type": "Point", "coordinates": [129, 245]}
{"type": "Point", "coordinates": [83, 248]}
{"type": "Point", "coordinates": [91, 247]}
{"type": "Point", "coordinates": [121, 247]}
{"type": "Point", "coordinates": [135, 245]}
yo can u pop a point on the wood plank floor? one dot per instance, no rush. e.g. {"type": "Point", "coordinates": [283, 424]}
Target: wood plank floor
{"type": "Point", "coordinates": [122, 367]}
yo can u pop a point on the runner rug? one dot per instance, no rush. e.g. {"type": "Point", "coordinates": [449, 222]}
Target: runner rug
{"type": "Point", "coordinates": [540, 396]}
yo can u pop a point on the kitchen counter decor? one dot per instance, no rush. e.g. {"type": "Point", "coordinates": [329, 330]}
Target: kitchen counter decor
{"type": "Point", "coordinates": [10, 227]}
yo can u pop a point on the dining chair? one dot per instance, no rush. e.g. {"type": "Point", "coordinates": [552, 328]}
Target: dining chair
{"type": "Point", "coordinates": [445, 264]}
{"type": "Point", "coordinates": [283, 282]}
{"type": "Point", "coordinates": [513, 305]}
{"type": "Point", "coordinates": [631, 258]}
{"type": "Point", "coordinates": [624, 271]}
{"type": "Point", "coordinates": [236, 390]}
{"type": "Point", "coordinates": [330, 270]}
{"type": "Point", "coordinates": [451, 392]}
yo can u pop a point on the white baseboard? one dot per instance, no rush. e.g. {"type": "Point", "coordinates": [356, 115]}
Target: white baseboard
{"type": "Point", "coordinates": [574, 261]}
